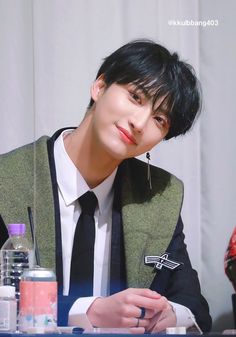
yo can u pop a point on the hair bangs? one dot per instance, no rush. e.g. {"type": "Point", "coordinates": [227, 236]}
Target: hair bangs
{"type": "Point", "coordinates": [158, 91]}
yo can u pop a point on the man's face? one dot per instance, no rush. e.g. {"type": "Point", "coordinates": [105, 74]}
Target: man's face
{"type": "Point", "coordinates": [123, 120]}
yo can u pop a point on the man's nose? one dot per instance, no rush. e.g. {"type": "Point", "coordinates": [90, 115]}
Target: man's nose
{"type": "Point", "coordinates": [139, 119]}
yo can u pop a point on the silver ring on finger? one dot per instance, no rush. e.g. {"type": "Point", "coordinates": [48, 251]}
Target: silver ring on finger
{"type": "Point", "coordinates": [143, 312]}
{"type": "Point", "coordinates": [137, 325]}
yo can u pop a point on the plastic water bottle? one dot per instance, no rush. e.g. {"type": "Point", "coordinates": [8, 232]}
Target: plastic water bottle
{"type": "Point", "coordinates": [7, 309]}
{"type": "Point", "coordinates": [16, 255]}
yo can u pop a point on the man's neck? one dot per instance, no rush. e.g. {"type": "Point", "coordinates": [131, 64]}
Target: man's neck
{"type": "Point", "coordinates": [94, 165]}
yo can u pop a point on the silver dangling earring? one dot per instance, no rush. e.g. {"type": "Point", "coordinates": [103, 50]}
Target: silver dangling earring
{"type": "Point", "coordinates": [149, 178]}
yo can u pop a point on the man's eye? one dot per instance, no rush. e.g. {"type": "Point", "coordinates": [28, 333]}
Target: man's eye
{"type": "Point", "coordinates": [161, 120]}
{"type": "Point", "coordinates": [135, 96]}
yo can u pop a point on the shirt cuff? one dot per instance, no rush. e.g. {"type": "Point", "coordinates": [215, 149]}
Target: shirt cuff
{"type": "Point", "coordinates": [184, 316]}
{"type": "Point", "coordinates": [78, 313]}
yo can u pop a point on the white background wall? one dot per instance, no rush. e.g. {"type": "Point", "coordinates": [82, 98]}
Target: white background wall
{"type": "Point", "coordinates": [50, 52]}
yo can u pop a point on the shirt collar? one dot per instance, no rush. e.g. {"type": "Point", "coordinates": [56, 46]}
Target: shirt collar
{"type": "Point", "coordinates": [71, 189]}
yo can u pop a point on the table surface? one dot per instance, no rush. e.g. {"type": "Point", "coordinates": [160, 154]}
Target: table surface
{"type": "Point", "coordinates": [211, 334]}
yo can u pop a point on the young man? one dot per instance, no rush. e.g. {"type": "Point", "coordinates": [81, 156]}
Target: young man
{"type": "Point", "coordinates": [142, 95]}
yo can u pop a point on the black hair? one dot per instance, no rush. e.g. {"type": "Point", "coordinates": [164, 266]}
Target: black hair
{"type": "Point", "coordinates": [160, 74]}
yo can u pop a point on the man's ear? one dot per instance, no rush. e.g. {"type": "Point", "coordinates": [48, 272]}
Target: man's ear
{"type": "Point", "coordinates": [97, 88]}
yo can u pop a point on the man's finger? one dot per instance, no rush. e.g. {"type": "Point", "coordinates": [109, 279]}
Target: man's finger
{"type": "Point", "coordinates": [166, 320]}
{"type": "Point", "coordinates": [144, 292]}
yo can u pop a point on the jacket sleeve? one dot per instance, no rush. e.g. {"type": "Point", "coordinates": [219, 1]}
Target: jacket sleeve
{"type": "Point", "coordinates": [182, 285]}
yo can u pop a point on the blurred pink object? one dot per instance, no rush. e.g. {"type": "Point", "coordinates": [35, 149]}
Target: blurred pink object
{"type": "Point", "coordinates": [230, 259]}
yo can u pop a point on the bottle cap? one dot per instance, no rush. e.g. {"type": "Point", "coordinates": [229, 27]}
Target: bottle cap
{"type": "Point", "coordinates": [16, 228]}
{"type": "Point", "coordinates": [7, 291]}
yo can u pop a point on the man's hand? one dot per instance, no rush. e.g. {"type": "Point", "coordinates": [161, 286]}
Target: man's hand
{"type": "Point", "coordinates": [164, 318]}
{"type": "Point", "coordinates": [122, 310]}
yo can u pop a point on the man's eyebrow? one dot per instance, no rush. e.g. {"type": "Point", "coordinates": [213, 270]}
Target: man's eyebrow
{"type": "Point", "coordinates": [163, 112]}
{"type": "Point", "coordinates": [161, 108]}
{"type": "Point", "coordinates": [151, 94]}
{"type": "Point", "coordinates": [140, 87]}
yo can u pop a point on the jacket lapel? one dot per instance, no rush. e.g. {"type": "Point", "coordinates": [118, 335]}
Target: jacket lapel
{"type": "Point", "coordinates": [44, 206]}
{"type": "Point", "coordinates": [149, 217]}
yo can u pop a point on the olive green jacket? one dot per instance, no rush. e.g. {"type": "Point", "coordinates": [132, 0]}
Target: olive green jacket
{"type": "Point", "coordinates": [149, 216]}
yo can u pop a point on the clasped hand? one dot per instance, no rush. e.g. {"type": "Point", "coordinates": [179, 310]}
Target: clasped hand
{"type": "Point", "coordinates": [123, 310]}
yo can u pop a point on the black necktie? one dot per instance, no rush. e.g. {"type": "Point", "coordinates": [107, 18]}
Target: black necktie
{"type": "Point", "coordinates": [82, 260]}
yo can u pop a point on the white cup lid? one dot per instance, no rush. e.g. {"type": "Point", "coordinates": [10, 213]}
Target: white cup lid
{"type": "Point", "coordinates": [7, 291]}
{"type": "Point", "coordinates": [177, 330]}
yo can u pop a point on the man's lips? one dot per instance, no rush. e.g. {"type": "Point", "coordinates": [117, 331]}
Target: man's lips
{"type": "Point", "coordinates": [127, 136]}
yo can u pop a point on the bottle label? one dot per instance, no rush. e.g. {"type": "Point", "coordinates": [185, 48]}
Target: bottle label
{"type": "Point", "coordinates": [12, 265]}
{"type": "Point", "coordinates": [38, 305]}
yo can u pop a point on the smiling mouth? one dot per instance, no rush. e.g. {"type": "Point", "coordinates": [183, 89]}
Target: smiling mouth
{"type": "Point", "coordinates": [126, 136]}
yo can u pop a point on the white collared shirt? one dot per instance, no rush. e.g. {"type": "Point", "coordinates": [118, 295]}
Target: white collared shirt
{"type": "Point", "coordinates": [69, 191]}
